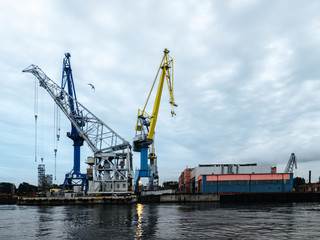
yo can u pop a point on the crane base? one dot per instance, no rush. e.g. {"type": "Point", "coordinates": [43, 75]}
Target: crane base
{"type": "Point", "coordinates": [76, 180]}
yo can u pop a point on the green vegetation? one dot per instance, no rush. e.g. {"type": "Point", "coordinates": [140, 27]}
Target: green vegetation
{"type": "Point", "coordinates": [25, 188]}
{"type": "Point", "coordinates": [297, 181]}
{"type": "Point", "coordinates": [8, 188]}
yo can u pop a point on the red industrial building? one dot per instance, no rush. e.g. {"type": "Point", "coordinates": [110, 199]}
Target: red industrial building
{"type": "Point", "coordinates": [245, 183]}
{"type": "Point", "coordinates": [226, 178]}
{"type": "Point", "coordinates": [184, 181]}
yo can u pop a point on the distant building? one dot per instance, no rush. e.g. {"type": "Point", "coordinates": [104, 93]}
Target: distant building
{"type": "Point", "coordinates": [44, 180]}
{"type": "Point", "coordinates": [184, 181]}
{"type": "Point", "coordinates": [224, 178]}
{"type": "Point", "coordinates": [41, 177]}
{"type": "Point", "coordinates": [245, 183]}
{"type": "Point", "coordinates": [313, 187]}
{"type": "Point", "coordinates": [49, 180]}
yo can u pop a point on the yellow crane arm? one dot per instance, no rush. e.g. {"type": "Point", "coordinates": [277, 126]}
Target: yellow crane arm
{"type": "Point", "coordinates": [166, 67]}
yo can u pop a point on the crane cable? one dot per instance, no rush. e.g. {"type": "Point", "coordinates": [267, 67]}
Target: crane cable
{"type": "Point", "coordinates": [56, 136]}
{"type": "Point", "coordinates": [42, 125]}
{"type": "Point", "coordinates": [35, 118]}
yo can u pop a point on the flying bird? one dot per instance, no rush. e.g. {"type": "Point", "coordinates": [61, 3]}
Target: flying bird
{"type": "Point", "coordinates": [92, 86]}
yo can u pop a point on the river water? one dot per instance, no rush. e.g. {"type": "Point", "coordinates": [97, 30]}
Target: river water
{"type": "Point", "coordinates": [162, 221]}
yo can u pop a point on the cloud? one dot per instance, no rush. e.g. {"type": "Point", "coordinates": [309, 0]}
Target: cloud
{"type": "Point", "coordinates": [246, 79]}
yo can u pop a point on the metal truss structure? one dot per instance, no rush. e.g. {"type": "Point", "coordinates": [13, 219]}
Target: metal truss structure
{"type": "Point", "coordinates": [291, 163]}
{"type": "Point", "coordinates": [111, 168]}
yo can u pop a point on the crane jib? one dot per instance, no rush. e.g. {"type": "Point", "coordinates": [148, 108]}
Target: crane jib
{"type": "Point", "coordinates": [110, 170]}
{"type": "Point", "coordinates": [96, 133]}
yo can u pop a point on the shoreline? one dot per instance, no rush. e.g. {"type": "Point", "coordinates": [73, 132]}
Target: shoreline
{"type": "Point", "coordinates": [172, 198]}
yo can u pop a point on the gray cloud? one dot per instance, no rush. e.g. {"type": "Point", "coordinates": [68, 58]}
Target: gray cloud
{"type": "Point", "coordinates": [246, 75]}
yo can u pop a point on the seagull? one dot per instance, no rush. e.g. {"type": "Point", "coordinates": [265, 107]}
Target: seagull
{"type": "Point", "coordinates": [92, 86]}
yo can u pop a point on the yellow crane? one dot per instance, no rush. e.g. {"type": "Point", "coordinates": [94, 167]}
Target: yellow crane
{"type": "Point", "coordinates": [145, 125]}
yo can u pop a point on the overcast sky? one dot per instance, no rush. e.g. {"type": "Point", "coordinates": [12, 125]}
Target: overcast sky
{"type": "Point", "coordinates": [247, 80]}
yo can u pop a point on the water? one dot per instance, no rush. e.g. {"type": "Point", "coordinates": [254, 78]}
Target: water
{"type": "Point", "coordinates": [161, 221]}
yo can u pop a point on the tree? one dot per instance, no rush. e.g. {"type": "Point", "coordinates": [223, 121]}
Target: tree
{"type": "Point", "coordinates": [26, 188]}
{"type": "Point", "coordinates": [8, 188]}
{"type": "Point", "coordinates": [297, 181]}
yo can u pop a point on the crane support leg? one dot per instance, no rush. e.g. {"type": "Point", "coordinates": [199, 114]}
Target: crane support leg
{"type": "Point", "coordinates": [76, 159]}
{"type": "Point", "coordinates": [73, 179]}
{"type": "Point", "coordinates": [144, 159]}
{"type": "Point", "coordinates": [144, 171]}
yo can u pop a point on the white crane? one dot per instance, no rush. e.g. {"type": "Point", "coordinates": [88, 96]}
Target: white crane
{"type": "Point", "coordinates": [112, 162]}
{"type": "Point", "coordinates": [292, 162]}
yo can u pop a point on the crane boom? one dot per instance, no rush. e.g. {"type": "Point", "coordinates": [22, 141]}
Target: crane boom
{"type": "Point", "coordinates": [145, 125]}
{"type": "Point", "coordinates": [67, 79]}
{"type": "Point", "coordinates": [99, 136]}
{"type": "Point", "coordinates": [112, 154]}
{"type": "Point", "coordinates": [291, 163]}
{"type": "Point", "coordinates": [167, 67]}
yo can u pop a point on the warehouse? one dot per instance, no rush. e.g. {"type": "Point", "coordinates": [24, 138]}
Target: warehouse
{"type": "Point", "coordinates": [227, 178]}
{"type": "Point", "coordinates": [245, 183]}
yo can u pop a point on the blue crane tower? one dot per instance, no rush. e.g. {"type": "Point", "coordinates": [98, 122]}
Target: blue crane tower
{"type": "Point", "coordinates": [74, 178]}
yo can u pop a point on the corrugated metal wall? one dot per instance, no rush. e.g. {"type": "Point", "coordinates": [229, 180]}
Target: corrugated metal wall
{"type": "Point", "coordinates": [280, 182]}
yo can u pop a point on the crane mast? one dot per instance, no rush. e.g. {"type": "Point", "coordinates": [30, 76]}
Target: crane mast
{"type": "Point", "coordinates": [145, 125]}
{"type": "Point", "coordinates": [74, 177]}
{"type": "Point", "coordinates": [110, 169]}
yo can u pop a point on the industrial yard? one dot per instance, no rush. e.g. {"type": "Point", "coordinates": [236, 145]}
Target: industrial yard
{"type": "Point", "coordinates": [110, 168]}
{"type": "Point", "coordinates": [109, 176]}
{"type": "Point", "coordinates": [121, 114]}
{"type": "Point", "coordinates": [159, 119]}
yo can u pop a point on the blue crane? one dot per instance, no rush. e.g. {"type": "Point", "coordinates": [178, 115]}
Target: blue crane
{"type": "Point", "coordinates": [74, 178]}
{"type": "Point", "coordinates": [110, 169]}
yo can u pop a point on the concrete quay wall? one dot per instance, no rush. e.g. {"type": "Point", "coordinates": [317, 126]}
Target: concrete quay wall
{"type": "Point", "coordinates": [174, 198]}
{"type": "Point", "coordinates": [180, 198]}
{"type": "Point", "coordinates": [54, 201]}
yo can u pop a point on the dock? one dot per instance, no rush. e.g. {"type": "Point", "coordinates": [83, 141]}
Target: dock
{"type": "Point", "coordinates": [271, 197]}
{"type": "Point", "coordinates": [179, 198]}
{"type": "Point", "coordinates": [173, 198]}
{"type": "Point", "coordinates": [128, 199]}
{"type": "Point", "coordinates": [84, 200]}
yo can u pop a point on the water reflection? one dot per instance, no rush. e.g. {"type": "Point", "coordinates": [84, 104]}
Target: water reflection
{"type": "Point", "coordinates": [139, 230]}
{"type": "Point", "coordinates": [146, 224]}
{"type": "Point", "coordinates": [45, 221]}
{"type": "Point", "coordinates": [162, 221]}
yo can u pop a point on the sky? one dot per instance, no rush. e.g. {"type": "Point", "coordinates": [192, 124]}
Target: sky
{"type": "Point", "coordinates": [246, 75]}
